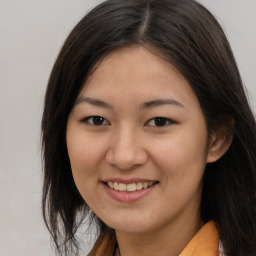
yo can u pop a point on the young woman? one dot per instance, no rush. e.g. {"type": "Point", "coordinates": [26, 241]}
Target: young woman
{"type": "Point", "coordinates": [146, 127]}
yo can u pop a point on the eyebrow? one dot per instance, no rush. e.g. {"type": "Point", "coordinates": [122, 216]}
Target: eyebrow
{"type": "Point", "coordinates": [159, 102]}
{"type": "Point", "coordinates": [93, 102]}
{"type": "Point", "coordinates": [145, 105]}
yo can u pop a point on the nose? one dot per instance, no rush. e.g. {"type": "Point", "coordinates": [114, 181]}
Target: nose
{"type": "Point", "coordinates": [126, 150]}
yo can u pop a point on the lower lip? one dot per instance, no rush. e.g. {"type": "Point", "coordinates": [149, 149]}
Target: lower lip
{"type": "Point", "coordinates": [127, 197]}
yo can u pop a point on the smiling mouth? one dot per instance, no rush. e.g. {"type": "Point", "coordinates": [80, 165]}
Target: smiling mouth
{"type": "Point", "coordinates": [132, 187]}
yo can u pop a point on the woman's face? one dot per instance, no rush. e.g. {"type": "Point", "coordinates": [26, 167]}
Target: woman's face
{"type": "Point", "coordinates": [138, 143]}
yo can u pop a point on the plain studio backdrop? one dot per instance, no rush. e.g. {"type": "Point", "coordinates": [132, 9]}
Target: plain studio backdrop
{"type": "Point", "coordinates": [31, 34]}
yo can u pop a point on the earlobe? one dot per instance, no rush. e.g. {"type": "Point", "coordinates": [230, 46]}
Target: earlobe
{"type": "Point", "coordinates": [220, 141]}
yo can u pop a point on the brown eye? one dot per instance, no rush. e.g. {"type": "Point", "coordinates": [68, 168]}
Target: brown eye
{"type": "Point", "coordinates": [96, 120]}
{"type": "Point", "coordinates": [159, 121]}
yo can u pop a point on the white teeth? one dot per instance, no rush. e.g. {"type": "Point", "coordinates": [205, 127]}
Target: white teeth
{"type": "Point", "coordinates": [122, 187]}
{"type": "Point", "coordinates": [145, 185]}
{"type": "Point", "coordinates": [139, 186]}
{"type": "Point", "coordinates": [116, 187]}
{"type": "Point", "coordinates": [130, 187]}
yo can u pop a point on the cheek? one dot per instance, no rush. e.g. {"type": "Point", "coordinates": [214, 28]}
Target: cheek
{"type": "Point", "coordinates": [82, 157]}
{"type": "Point", "coordinates": [84, 151]}
{"type": "Point", "coordinates": [85, 154]}
{"type": "Point", "coordinates": [183, 155]}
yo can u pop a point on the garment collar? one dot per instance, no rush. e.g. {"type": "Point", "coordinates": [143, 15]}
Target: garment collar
{"type": "Point", "coordinates": [205, 242]}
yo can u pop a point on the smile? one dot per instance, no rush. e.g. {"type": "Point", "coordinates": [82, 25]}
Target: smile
{"type": "Point", "coordinates": [129, 191]}
{"type": "Point", "coordinates": [136, 186]}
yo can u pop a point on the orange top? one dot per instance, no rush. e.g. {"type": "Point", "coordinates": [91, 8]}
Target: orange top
{"type": "Point", "coordinates": [204, 243]}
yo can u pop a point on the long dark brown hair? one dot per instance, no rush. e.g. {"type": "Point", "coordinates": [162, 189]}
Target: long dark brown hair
{"type": "Point", "coordinates": [190, 38]}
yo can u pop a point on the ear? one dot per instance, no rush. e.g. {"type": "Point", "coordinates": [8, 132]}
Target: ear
{"type": "Point", "coordinates": [220, 140]}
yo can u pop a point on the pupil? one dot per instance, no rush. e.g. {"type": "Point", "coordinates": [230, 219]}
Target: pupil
{"type": "Point", "coordinates": [159, 121]}
{"type": "Point", "coordinates": [97, 120]}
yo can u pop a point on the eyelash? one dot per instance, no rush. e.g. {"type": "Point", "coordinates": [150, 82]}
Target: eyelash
{"type": "Point", "coordinates": [94, 118]}
{"type": "Point", "coordinates": [106, 122]}
{"type": "Point", "coordinates": [161, 119]}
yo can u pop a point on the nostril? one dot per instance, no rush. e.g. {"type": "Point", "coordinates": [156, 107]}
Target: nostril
{"type": "Point", "coordinates": [126, 159]}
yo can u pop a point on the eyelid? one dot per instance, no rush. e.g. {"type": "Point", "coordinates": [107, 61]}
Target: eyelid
{"type": "Point", "coordinates": [170, 121]}
{"type": "Point", "coordinates": [86, 120]}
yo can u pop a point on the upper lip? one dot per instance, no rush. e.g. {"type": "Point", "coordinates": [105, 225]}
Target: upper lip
{"type": "Point", "coordinates": [128, 181]}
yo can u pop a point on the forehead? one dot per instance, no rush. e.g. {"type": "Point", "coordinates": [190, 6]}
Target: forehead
{"type": "Point", "coordinates": [137, 60]}
{"type": "Point", "coordinates": [136, 71]}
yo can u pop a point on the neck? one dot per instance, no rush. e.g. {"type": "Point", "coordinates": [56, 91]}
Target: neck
{"type": "Point", "coordinates": [168, 240]}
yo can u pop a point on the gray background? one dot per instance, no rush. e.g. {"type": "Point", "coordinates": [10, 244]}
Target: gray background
{"type": "Point", "coordinates": [31, 34]}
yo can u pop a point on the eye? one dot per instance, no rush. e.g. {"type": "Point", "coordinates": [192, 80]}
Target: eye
{"type": "Point", "coordinates": [95, 120]}
{"type": "Point", "coordinates": [159, 121]}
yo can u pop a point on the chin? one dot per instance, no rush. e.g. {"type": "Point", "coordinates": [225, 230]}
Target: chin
{"type": "Point", "coordinates": [128, 225]}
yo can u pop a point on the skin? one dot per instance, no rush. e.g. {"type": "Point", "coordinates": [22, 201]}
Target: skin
{"type": "Point", "coordinates": [128, 144]}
